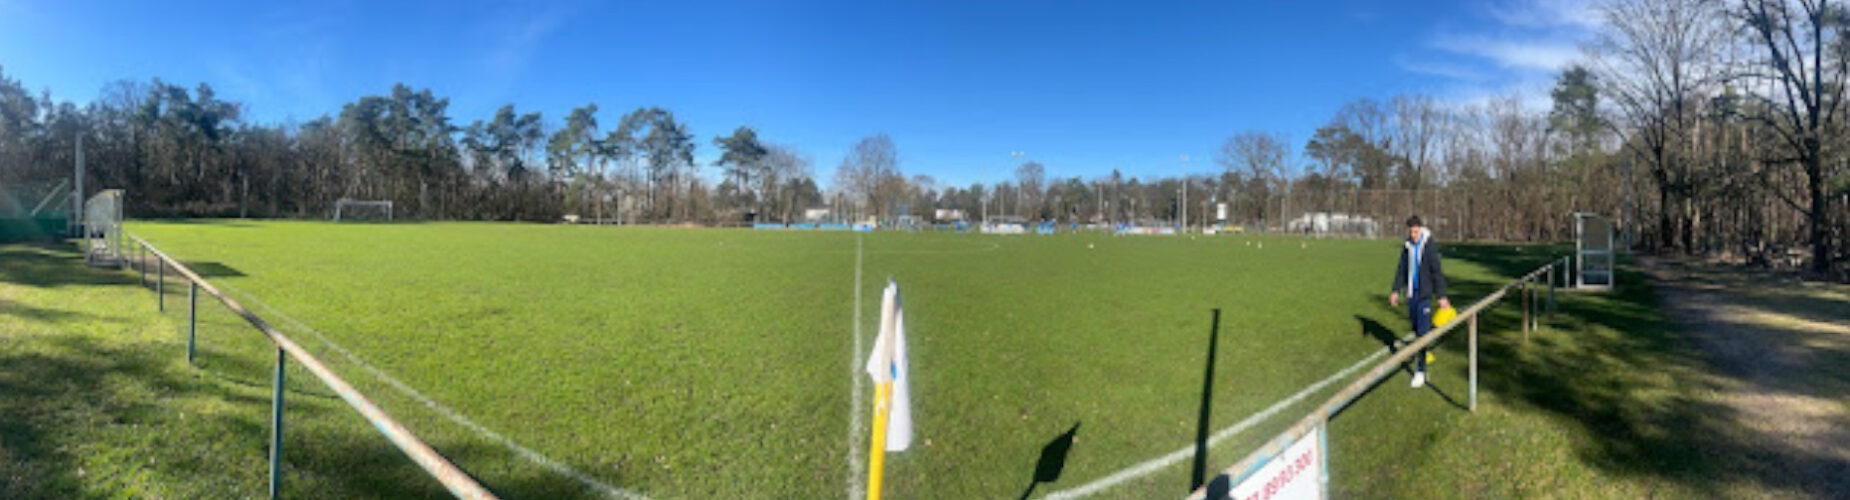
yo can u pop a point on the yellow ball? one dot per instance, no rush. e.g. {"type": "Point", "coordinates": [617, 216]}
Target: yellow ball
{"type": "Point", "coordinates": [1443, 315]}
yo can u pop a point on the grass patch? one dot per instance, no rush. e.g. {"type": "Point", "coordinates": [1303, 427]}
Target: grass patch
{"type": "Point", "coordinates": [681, 363]}
{"type": "Point", "coordinates": [98, 401]}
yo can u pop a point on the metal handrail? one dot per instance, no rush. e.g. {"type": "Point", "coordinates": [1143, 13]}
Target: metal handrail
{"type": "Point", "coordinates": [458, 482]}
{"type": "Point", "coordinates": [1342, 399]}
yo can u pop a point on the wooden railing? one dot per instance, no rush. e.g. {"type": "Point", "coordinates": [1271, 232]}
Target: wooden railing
{"type": "Point", "coordinates": [458, 482]}
{"type": "Point", "coordinates": [1468, 318]}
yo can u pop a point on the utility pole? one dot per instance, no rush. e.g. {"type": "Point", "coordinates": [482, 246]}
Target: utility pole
{"type": "Point", "coordinates": [77, 196]}
{"type": "Point", "coordinates": [1183, 207]}
{"type": "Point", "coordinates": [1626, 210]}
{"type": "Point", "coordinates": [1100, 207]}
{"type": "Point", "coordinates": [1016, 157]}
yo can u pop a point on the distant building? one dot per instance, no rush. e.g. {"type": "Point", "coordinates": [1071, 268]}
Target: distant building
{"type": "Point", "coordinates": [948, 215]}
{"type": "Point", "coordinates": [1324, 223]}
{"type": "Point", "coordinates": [815, 214]}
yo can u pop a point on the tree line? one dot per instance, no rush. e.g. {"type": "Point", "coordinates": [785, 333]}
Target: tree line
{"type": "Point", "coordinates": [185, 152]}
{"type": "Point", "coordinates": [1701, 126]}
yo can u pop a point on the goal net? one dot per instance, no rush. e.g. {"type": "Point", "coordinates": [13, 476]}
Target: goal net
{"type": "Point", "coordinates": [102, 229]}
{"type": "Point", "coordinates": [348, 210]}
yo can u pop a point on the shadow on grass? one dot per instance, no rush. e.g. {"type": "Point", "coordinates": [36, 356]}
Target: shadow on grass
{"type": "Point", "coordinates": [1052, 461]}
{"type": "Point", "coordinates": [86, 416]}
{"type": "Point", "coordinates": [209, 270]}
{"type": "Point", "coordinates": [1640, 391]}
{"type": "Point", "coordinates": [237, 223]}
{"type": "Point", "coordinates": [252, 223]}
{"type": "Point", "coordinates": [49, 265]}
{"type": "Point", "coordinates": [44, 315]}
{"type": "Point", "coordinates": [75, 398]}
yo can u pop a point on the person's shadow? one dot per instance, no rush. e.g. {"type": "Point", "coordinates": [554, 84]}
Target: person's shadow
{"type": "Point", "coordinates": [1381, 333]}
{"type": "Point", "coordinates": [1052, 461]}
{"type": "Point", "coordinates": [1434, 386]}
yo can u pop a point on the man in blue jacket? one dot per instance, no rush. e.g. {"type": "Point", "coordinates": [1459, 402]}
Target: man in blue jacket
{"type": "Point", "coordinates": [1420, 275]}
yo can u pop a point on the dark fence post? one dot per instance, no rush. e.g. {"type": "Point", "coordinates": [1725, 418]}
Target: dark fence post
{"type": "Point", "coordinates": [192, 319]}
{"type": "Point", "coordinates": [276, 430]}
{"type": "Point", "coordinates": [1525, 310]}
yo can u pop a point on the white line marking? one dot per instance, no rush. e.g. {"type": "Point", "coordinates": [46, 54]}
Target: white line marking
{"type": "Point", "coordinates": [565, 470]}
{"type": "Point", "coordinates": [856, 469]}
{"type": "Point", "coordinates": [1186, 452]}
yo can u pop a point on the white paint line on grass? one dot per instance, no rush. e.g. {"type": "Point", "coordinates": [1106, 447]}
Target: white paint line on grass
{"type": "Point", "coordinates": [1186, 452]}
{"type": "Point", "coordinates": [564, 470]}
{"type": "Point", "coordinates": [856, 469]}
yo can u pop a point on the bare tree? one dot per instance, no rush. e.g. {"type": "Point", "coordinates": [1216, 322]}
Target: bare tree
{"type": "Point", "coordinates": [1805, 63]}
{"type": "Point", "coordinates": [1257, 161]}
{"type": "Point", "coordinates": [1655, 59]}
{"type": "Point", "coordinates": [1417, 124]}
{"type": "Point", "coordinates": [1031, 177]}
{"type": "Point", "coordinates": [870, 174]}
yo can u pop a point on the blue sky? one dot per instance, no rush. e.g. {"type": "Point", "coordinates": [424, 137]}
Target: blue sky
{"type": "Point", "coordinates": [1082, 87]}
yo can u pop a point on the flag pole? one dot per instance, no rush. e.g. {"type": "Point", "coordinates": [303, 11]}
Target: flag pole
{"type": "Point", "coordinates": [876, 455]}
{"type": "Point", "coordinates": [883, 366]}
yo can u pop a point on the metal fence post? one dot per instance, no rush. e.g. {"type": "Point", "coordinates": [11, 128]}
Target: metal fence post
{"type": "Point", "coordinates": [141, 263]}
{"type": "Point", "coordinates": [276, 430]}
{"type": "Point", "coordinates": [160, 287]}
{"type": "Point", "coordinates": [1525, 310]}
{"type": "Point", "coordinates": [1473, 399]}
{"type": "Point", "coordinates": [1551, 292]}
{"type": "Point", "coordinates": [1572, 273]}
{"type": "Point", "coordinates": [192, 319]}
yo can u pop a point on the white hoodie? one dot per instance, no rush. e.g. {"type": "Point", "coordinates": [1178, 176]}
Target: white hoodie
{"type": "Point", "coordinates": [1413, 257]}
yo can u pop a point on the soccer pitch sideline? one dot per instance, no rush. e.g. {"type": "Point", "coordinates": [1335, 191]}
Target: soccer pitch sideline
{"type": "Point", "coordinates": [671, 363]}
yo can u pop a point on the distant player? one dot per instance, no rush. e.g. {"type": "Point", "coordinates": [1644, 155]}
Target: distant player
{"type": "Point", "coordinates": [1420, 275]}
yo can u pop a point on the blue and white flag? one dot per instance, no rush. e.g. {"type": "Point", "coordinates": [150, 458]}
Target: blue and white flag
{"type": "Point", "coordinates": [888, 365]}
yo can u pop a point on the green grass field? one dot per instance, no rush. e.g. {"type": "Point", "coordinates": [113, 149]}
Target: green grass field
{"type": "Point", "coordinates": [677, 363]}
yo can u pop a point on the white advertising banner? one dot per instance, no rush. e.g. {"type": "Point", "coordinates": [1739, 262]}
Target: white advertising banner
{"type": "Point", "coordinates": [1295, 474]}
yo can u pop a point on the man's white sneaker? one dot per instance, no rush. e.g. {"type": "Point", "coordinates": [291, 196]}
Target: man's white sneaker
{"type": "Point", "coordinates": [1419, 379]}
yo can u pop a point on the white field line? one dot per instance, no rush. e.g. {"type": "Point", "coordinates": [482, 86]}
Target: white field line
{"type": "Point", "coordinates": [564, 470]}
{"type": "Point", "coordinates": [1186, 452]}
{"type": "Point", "coordinates": [856, 429]}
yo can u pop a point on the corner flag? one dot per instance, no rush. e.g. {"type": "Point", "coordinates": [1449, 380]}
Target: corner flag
{"type": "Point", "coordinates": [892, 388]}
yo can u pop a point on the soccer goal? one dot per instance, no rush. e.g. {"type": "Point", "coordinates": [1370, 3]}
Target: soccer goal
{"type": "Point", "coordinates": [348, 210]}
{"type": "Point", "coordinates": [102, 229]}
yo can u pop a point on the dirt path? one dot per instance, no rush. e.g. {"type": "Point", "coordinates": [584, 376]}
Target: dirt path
{"type": "Point", "coordinates": [1780, 353]}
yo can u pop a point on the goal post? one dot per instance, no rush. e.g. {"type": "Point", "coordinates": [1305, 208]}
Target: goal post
{"type": "Point", "coordinates": [350, 210]}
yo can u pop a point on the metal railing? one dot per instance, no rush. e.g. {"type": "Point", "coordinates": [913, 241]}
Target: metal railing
{"type": "Point", "coordinates": [1320, 417]}
{"type": "Point", "coordinates": [458, 482]}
